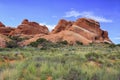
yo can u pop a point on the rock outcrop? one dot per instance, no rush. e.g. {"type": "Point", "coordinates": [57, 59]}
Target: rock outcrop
{"type": "Point", "coordinates": [2, 25]}
{"type": "Point", "coordinates": [3, 40]}
{"type": "Point", "coordinates": [83, 30]}
{"type": "Point", "coordinates": [62, 25]}
{"type": "Point", "coordinates": [5, 30]}
{"type": "Point", "coordinates": [29, 28]}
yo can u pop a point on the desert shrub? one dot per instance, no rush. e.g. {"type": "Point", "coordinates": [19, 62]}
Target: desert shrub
{"type": "Point", "coordinates": [48, 45]}
{"type": "Point", "coordinates": [41, 40]}
{"type": "Point", "coordinates": [106, 43]}
{"type": "Point", "coordinates": [114, 56]}
{"type": "Point", "coordinates": [90, 44]}
{"type": "Point", "coordinates": [79, 43]}
{"type": "Point", "coordinates": [14, 41]}
{"type": "Point", "coordinates": [72, 75]}
{"type": "Point", "coordinates": [32, 68]}
{"type": "Point", "coordinates": [5, 49]}
{"type": "Point", "coordinates": [62, 63]}
{"type": "Point", "coordinates": [92, 56]}
{"type": "Point", "coordinates": [112, 45]}
{"type": "Point", "coordinates": [42, 43]}
{"type": "Point", "coordinates": [118, 45]}
{"type": "Point", "coordinates": [33, 44]}
{"type": "Point", "coordinates": [16, 38]}
{"type": "Point", "coordinates": [63, 42]}
{"type": "Point", "coordinates": [1, 59]}
{"type": "Point", "coordinates": [12, 44]}
{"type": "Point", "coordinates": [37, 42]}
{"type": "Point", "coordinates": [95, 77]}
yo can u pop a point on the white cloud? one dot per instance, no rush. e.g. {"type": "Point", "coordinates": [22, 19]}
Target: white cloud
{"type": "Point", "coordinates": [91, 15]}
{"type": "Point", "coordinates": [97, 18]}
{"type": "Point", "coordinates": [50, 27]}
{"type": "Point", "coordinates": [72, 14]}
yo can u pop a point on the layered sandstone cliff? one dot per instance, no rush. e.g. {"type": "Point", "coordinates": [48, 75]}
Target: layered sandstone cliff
{"type": "Point", "coordinates": [83, 30]}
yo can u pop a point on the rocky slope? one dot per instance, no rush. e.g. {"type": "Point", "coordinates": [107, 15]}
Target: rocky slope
{"type": "Point", "coordinates": [83, 30]}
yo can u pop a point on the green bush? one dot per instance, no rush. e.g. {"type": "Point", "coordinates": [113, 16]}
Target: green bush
{"type": "Point", "coordinates": [79, 43]}
{"type": "Point", "coordinates": [63, 42]}
{"type": "Point", "coordinates": [37, 42]}
{"type": "Point", "coordinates": [73, 75]}
{"type": "Point", "coordinates": [112, 45]}
{"type": "Point", "coordinates": [118, 45]}
{"type": "Point", "coordinates": [114, 56]}
{"type": "Point", "coordinates": [42, 43]}
{"type": "Point", "coordinates": [61, 63]}
{"type": "Point", "coordinates": [12, 44]}
{"type": "Point", "coordinates": [106, 43]}
{"type": "Point", "coordinates": [93, 56]}
{"type": "Point", "coordinates": [33, 44]}
{"type": "Point", "coordinates": [41, 40]}
{"type": "Point", "coordinates": [16, 38]}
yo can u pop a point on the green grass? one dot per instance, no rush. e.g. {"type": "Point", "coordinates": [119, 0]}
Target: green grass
{"type": "Point", "coordinates": [78, 62]}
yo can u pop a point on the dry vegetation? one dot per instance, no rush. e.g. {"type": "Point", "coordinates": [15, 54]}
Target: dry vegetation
{"type": "Point", "coordinates": [77, 62]}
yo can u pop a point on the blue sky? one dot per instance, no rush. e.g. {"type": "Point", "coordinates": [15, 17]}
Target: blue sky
{"type": "Point", "coordinates": [49, 12]}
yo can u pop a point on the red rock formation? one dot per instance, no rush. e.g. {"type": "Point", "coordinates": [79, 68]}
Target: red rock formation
{"type": "Point", "coordinates": [83, 30]}
{"type": "Point", "coordinates": [25, 21]}
{"type": "Point", "coordinates": [87, 28]}
{"type": "Point", "coordinates": [2, 25]}
{"type": "Point", "coordinates": [29, 28]}
{"type": "Point", "coordinates": [3, 40]}
{"type": "Point", "coordinates": [62, 25]}
{"type": "Point", "coordinates": [5, 30]}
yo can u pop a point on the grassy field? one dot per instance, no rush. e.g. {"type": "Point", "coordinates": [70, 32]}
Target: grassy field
{"type": "Point", "coordinates": [78, 62]}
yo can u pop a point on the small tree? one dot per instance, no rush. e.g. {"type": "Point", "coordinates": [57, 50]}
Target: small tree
{"type": "Point", "coordinates": [63, 42]}
{"type": "Point", "coordinates": [40, 41]}
{"type": "Point", "coordinates": [16, 38]}
{"type": "Point", "coordinates": [79, 43]}
{"type": "Point", "coordinates": [118, 45]}
{"type": "Point", "coordinates": [11, 44]}
{"type": "Point", "coordinates": [112, 45]}
{"type": "Point", "coordinates": [33, 44]}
